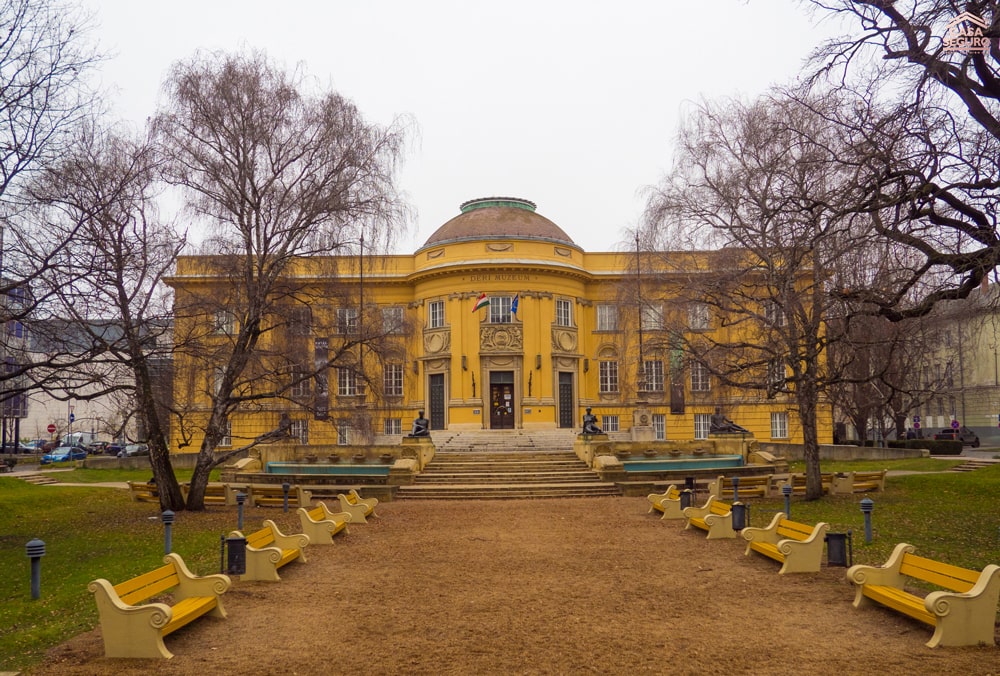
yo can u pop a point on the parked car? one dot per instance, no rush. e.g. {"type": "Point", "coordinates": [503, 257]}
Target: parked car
{"type": "Point", "coordinates": [133, 450]}
{"type": "Point", "coordinates": [63, 454]}
{"type": "Point", "coordinates": [963, 434]}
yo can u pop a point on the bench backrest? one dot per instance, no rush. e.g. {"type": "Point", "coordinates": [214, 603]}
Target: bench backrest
{"type": "Point", "coordinates": [260, 539]}
{"type": "Point", "coordinates": [317, 513]}
{"type": "Point", "coordinates": [148, 585]}
{"type": "Point", "coordinates": [720, 507]}
{"type": "Point", "coordinates": [943, 575]}
{"type": "Point", "coordinates": [792, 530]}
{"type": "Point", "coordinates": [351, 498]}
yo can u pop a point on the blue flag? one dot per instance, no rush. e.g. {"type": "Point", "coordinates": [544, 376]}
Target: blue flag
{"type": "Point", "coordinates": [513, 304]}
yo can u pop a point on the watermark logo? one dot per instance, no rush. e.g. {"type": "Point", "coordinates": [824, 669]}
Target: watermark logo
{"type": "Point", "coordinates": [965, 34]}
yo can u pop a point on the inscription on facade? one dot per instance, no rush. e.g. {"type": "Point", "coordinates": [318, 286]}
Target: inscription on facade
{"type": "Point", "coordinates": [500, 277]}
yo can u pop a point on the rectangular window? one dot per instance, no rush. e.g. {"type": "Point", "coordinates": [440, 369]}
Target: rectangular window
{"type": "Point", "coordinates": [300, 382]}
{"type": "Point", "coordinates": [224, 323]}
{"type": "Point", "coordinates": [652, 318]}
{"type": "Point", "coordinates": [776, 373]}
{"type": "Point", "coordinates": [609, 423]}
{"type": "Point", "coordinates": [653, 376]}
{"type": "Point", "coordinates": [348, 383]}
{"type": "Point", "coordinates": [435, 314]}
{"type": "Point", "coordinates": [659, 426]}
{"type": "Point", "coordinates": [564, 312]}
{"type": "Point", "coordinates": [607, 318]}
{"type": "Point", "coordinates": [392, 320]}
{"type": "Point", "coordinates": [347, 320]}
{"type": "Point", "coordinates": [300, 431]}
{"type": "Point", "coordinates": [702, 425]}
{"type": "Point", "coordinates": [343, 433]}
{"type": "Point", "coordinates": [774, 314]}
{"type": "Point", "coordinates": [227, 434]}
{"type": "Point", "coordinates": [779, 425]}
{"type": "Point", "coordinates": [500, 309]}
{"type": "Point", "coordinates": [700, 381]}
{"type": "Point", "coordinates": [608, 375]}
{"type": "Point", "coordinates": [698, 317]}
{"type": "Point", "coordinates": [392, 426]}
{"type": "Point", "coordinates": [299, 320]}
{"type": "Point", "coordinates": [393, 380]}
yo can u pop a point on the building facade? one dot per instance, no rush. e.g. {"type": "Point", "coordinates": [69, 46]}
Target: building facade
{"type": "Point", "coordinates": [499, 321]}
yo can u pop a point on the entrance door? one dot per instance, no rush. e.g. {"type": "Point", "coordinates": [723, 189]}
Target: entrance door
{"type": "Point", "coordinates": [436, 401]}
{"type": "Point", "coordinates": [502, 400]}
{"type": "Point", "coordinates": [566, 400]}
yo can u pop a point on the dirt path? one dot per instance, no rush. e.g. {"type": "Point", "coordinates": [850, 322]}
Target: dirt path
{"type": "Point", "coordinates": [537, 587]}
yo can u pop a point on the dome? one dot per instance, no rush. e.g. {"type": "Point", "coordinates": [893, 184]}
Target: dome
{"type": "Point", "coordinates": [498, 218]}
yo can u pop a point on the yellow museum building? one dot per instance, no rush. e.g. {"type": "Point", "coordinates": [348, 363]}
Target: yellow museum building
{"type": "Point", "coordinates": [499, 321]}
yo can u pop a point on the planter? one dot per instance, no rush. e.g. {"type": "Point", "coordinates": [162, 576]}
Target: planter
{"type": "Point", "coordinates": [623, 454]}
{"type": "Point", "coordinates": [311, 458]}
{"type": "Point", "coordinates": [358, 457]}
{"type": "Point", "coordinates": [649, 453]}
{"type": "Point", "coordinates": [386, 458]}
{"type": "Point", "coordinates": [675, 453]}
{"type": "Point", "coordinates": [333, 458]}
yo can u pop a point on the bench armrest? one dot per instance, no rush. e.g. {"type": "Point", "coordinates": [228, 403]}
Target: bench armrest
{"type": "Point", "coordinates": [887, 574]}
{"type": "Point", "coordinates": [192, 585]}
{"type": "Point", "coordinates": [292, 541]}
{"type": "Point", "coordinates": [767, 534]}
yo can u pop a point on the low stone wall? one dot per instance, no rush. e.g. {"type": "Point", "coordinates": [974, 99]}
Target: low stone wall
{"type": "Point", "coordinates": [840, 453]}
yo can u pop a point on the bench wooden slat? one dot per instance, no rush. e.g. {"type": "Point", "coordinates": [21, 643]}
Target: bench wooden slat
{"type": "Point", "coordinates": [939, 574]}
{"type": "Point", "coordinates": [148, 585]}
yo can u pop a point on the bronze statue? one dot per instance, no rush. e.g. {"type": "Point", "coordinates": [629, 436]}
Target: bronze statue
{"type": "Point", "coordinates": [721, 423]}
{"type": "Point", "coordinates": [421, 426]}
{"type": "Point", "coordinates": [590, 423]}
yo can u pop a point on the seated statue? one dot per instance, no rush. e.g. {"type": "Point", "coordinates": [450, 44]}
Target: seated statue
{"type": "Point", "coordinates": [590, 423]}
{"type": "Point", "coordinates": [421, 426]}
{"type": "Point", "coordinates": [721, 423]}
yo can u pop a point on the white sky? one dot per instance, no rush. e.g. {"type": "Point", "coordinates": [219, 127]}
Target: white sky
{"type": "Point", "coordinates": [572, 105]}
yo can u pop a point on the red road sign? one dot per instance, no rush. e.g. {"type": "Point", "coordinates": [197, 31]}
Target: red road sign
{"type": "Point", "coordinates": [51, 428]}
{"type": "Point", "coordinates": [955, 425]}
{"type": "Point", "coordinates": [916, 426]}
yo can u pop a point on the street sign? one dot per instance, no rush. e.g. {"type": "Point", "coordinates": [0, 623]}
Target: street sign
{"type": "Point", "coordinates": [916, 425]}
{"type": "Point", "coordinates": [51, 428]}
{"type": "Point", "coordinates": [916, 418]}
{"type": "Point", "coordinates": [72, 417]}
{"type": "Point", "coordinates": [955, 425]}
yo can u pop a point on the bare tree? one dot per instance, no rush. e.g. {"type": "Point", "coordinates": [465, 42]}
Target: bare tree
{"type": "Point", "coordinates": [759, 185]}
{"type": "Point", "coordinates": [925, 126]}
{"type": "Point", "coordinates": [103, 192]}
{"type": "Point", "coordinates": [278, 173]}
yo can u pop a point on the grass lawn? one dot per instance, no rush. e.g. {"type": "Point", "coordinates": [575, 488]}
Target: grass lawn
{"type": "Point", "coordinates": [95, 532]}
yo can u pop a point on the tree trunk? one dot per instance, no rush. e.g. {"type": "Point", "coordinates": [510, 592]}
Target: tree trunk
{"type": "Point", "coordinates": [808, 404]}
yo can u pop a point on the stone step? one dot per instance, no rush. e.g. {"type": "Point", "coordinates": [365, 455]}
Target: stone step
{"type": "Point", "coordinates": [506, 478]}
{"type": "Point", "coordinates": [38, 479]}
{"type": "Point", "coordinates": [506, 491]}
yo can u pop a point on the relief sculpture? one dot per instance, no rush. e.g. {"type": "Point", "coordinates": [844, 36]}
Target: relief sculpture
{"type": "Point", "coordinates": [501, 339]}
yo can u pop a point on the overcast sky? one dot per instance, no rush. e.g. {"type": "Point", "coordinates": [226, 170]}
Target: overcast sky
{"type": "Point", "coordinates": [572, 105]}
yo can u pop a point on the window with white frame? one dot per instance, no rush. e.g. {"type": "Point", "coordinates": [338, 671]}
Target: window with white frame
{"type": "Point", "coordinates": [564, 312]}
{"type": "Point", "coordinates": [607, 318]}
{"type": "Point", "coordinates": [218, 373]}
{"type": "Point", "coordinates": [299, 320]}
{"type": "Point", "coordinates": [659, 426]}
{"type": "Point", "coordinates": [774, 314]}
{"type": "Point", "coordinates": [349, 384]}
{"type": "Point", "coordinates": [700, 380]}
{"type": "Point", "coordinates": [392, 426]}
{"type": "Point", "coordinates": [343, 433]}
{"type": "Point", "coordinates": [652, 318]}
{"type": "Point", "coordinates": [300, 382]}
{"type": "Point", "coordinates": [608, 376]}
{"type": "Point", "coordinates": [299, 431]}
{"type": "Point", "coordinates": [500, 309]}
{"type": "Point", "coordinates": [652, 376]}
{"type": "Point", "coordinates": [227, 433]}
{"type": "Point", "coordinates": [393, 380]}
{"type": "Point", "coordinates": [392, 320]}
{"type": "Point", "coordinates": [347, 320]}
{"type": "Point", "coordinates": [776, 373]}
{"type": "Point", "coordinates": [610, 423]}
{"type": "Point", "coordinates": [779, 425]}
{"type": "Point", "coordinates": [698, 317]}
{"type": "Point", "coordinates": [224, 323]}
{"type": "Point", "coordinates": [435, 314]}
{"type": "Point", "coordinates": [702, 425]}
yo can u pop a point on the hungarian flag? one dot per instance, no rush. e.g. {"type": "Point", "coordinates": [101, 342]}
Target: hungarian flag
{"type": "Point", "coordinates": [481, 303]}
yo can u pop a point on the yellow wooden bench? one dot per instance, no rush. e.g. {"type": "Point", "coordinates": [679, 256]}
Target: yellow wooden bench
{"type": "Point", "coordinates": [358, 507]}
{"type": "Point", "coordinates": [750, 487]}
{"type": "Point", "coordinates": [797, 482]}
{"type": "Point", "coordinates": [216, 492]}
{"type": "Point", "coordinates": [965, 614]}
{"type": "Point", "coordinates": [133, 630]}
{"type": "Point", "coordinates": [320, 524]}
{"type": "Point", "coordinates": [273, 495]}
{"type": "Point", "coordinates": [714, 516]}
{"type": "Point", "coordinates": [797, 546]}
{"type": "Point", "coordinates": [668, 502]}
{"type": "Point", "coordinates": [269, 549]}
{"type": "Point", "coordinates": [141, 491]}
{"type": "Point", "coordinates": [857, 482]}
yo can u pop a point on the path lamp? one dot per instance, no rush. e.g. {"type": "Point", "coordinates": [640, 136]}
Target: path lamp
{"type": "Point", "coordinates": [867, 505]}
{"type": "Point", "coordinates": [35, 550]}
{"type": "Point", "coordinates": [285, 487]}
{"type": "Point", "coordinates": [241, 497]}
{"type": "Point", "coordinates": [786, 490]}
{"type": "Point", "coordinates": [736, 489]}
{"type": "Point", "coordinates": [168, 521]}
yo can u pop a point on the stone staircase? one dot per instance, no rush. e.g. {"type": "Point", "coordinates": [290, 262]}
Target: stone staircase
{"type": "Point", "coordinates": [38, 479]}
{"type": "Point", "coordinates": [972, 464]}
{"type": "Point", "coordinates": [514, 464]}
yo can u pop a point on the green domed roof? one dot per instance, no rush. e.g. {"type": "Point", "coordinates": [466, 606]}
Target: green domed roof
{"type": "Point", "coordinates": [498, 218]}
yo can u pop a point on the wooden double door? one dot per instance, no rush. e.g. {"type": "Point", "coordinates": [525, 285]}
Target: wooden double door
{"type": "Point", "coordinates": [502, 400]}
